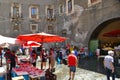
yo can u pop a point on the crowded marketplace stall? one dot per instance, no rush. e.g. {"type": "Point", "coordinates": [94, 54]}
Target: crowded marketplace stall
{"type": "Point", "coordinates": [20, 62]}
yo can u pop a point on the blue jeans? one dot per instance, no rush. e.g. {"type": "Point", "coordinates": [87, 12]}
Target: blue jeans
{"type": "Point", "coordinates": [108, 73]}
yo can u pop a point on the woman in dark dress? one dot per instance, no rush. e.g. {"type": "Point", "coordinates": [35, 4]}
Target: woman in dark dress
{"type": "Point", "coordinates": [43, 56]}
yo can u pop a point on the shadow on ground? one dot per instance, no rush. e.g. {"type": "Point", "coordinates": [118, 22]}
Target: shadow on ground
{"type": "Point", "coordinates": [93, 64]}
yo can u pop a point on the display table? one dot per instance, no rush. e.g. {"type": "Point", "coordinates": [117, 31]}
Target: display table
{"type": "Point", "coordinates": [37, 75]}
{"type": "Point", "coordinates": [28, 72]}
{"type": "Point", "coordinates": [24, 60]}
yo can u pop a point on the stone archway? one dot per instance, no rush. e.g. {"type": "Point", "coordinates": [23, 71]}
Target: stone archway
{"type": "Point", "coordinates": [106, 26]}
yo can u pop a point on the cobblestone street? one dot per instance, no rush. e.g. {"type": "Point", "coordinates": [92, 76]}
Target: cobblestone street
{"type": "Point", "coordinates": [86, 70]}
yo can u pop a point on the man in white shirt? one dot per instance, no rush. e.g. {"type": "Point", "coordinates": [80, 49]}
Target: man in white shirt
{"type": "Point", "coordinates": [109, 66]}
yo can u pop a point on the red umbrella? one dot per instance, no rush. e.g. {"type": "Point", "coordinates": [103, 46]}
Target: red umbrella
{"type": "Point", "coordinates": [31, 44]}
{"type": "Point", "coordinates": [114, 33]}
{"type": "Point", "coordinates": [41, 37]}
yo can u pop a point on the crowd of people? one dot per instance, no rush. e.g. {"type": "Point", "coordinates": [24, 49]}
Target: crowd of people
{"type": "Point", "coordinates": [65, 55]}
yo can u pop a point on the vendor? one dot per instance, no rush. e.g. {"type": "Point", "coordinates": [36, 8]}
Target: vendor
{"type": "Point", "coordinates": [11, 59]}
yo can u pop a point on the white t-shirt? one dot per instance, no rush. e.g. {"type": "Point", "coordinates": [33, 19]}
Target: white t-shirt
{"type": "Point", "coordinates": [107, 61]}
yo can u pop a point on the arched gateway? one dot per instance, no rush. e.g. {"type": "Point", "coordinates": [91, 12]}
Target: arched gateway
{"type": "Point", "coordinates": [98, 38]}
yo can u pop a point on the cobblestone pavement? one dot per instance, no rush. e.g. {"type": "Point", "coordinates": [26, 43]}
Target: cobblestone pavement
{"type": "Point", "coordinates": [88, 69]}
{"type": "Point", "coordinates": [81, 74]}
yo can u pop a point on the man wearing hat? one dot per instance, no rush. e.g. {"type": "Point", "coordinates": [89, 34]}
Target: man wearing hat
{"type": "Point", "coordinates": [109, 66]}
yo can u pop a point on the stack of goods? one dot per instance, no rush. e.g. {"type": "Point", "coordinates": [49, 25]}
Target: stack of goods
{"type": "Point", "coordinates": [32, 71]}
{"type": "Point", "coordinates": [24, 60]}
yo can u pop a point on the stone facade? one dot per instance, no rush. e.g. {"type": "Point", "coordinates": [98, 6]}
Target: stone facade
{"type": "Point", "coordinates": [78, 26]}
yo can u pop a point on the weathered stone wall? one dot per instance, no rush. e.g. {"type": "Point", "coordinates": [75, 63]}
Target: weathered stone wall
{"type": "Point", "coordinates": [80, 25]}
{"type": "Point", "coordinates": [93, 16]}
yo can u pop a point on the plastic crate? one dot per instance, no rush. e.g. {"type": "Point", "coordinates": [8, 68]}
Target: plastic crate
{"type": "Point", "coordinates": [2, 77]}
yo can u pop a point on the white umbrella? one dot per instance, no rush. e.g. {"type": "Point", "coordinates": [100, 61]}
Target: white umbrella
{"type": "Point", "coordinates": [6, 41]}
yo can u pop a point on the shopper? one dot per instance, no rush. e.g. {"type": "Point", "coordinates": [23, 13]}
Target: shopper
{"type": "Point", "coordinates": [44, 57]}
{"type": "Point", "coordinates": [109, 65]}
{"type": "Point", "coordinates": [33, 58]}
{"type": "Point", "coordinates": [51, 59]}
{"type": "Point", "coordinates": [72, 63]}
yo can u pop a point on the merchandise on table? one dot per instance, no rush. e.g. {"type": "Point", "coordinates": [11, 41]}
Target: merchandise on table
{"type": "Point", "coordinates": [29, 69]}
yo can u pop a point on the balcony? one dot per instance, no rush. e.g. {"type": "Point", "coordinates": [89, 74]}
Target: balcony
{"type": "Point", "coordinates": [16, 18]}
{"type": "Point", "coordinates": [51, 18]}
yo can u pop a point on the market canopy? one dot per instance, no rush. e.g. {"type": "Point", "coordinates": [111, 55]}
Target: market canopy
{"type": "Point", "coordinates": [114, 33]}
{"type": "Point", "coordinates": [6, 41]}
{"type": "Point", "coordinates": [41, 37]}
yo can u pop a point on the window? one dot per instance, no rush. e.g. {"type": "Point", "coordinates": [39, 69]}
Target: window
{"type": "Point", "coordinates": [16, 27]}
{"type": "Point", "coordinates": [33, 27]}
{"type": "Point", "coordinates": [16, 10]}
{"type": "Point", "coordinates": [69, 6]}
{"type": "Point", "coordinates": [50, 12]}
{"type": "Point", "coordinates": [16, 16]}
{"type": "Point", "coordinates": [61, 9]}
{"type": "Point", "coordinates": [33, 12]}
{"type": "Point", "coordinates": [64, 32]}
{"type": "Point", "coordinates": [50, 29]}
{"type": "Point", "coordinates": [93, 2]}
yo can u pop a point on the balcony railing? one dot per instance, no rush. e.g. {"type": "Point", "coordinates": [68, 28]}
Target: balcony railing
{"type": "Point", "coordinates": [16, 18]}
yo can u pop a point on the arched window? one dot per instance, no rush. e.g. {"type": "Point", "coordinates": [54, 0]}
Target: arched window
{"type": "Point", "coordinates": [69, 6]}
{"type": "Point", "coordinates": [16, 10]}
{"type": "Point", "coordinates": [50, 12]}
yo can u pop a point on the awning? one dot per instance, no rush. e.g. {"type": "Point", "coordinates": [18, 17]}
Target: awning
{"type": "Point", "coordinates": [113, 33]}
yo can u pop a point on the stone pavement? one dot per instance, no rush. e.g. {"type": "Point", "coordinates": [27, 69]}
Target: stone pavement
{"type": "Point", "coordinates": [81, 74]}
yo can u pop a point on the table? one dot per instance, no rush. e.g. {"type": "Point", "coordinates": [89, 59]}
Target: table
{"type": "Point", "coordinates": [19, 73]}
{"type": "Point", "coordinates": [28, 71]}
{"type": "Point", "coordinates": [16, 73]}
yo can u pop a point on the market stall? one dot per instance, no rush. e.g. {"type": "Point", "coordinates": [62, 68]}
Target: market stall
{"type": "Point", "coordinates": [27, 71]}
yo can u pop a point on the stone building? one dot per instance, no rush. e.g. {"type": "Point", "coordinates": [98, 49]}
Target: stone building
{"type": "Point", "coordinates": [83, 21]}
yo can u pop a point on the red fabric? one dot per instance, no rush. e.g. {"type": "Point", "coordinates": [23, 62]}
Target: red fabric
{"type": "Point", "coordinates": [72, 60]}
{"type": "Point", "coordinates": [114, 33]}
{"type": "Point", "coordinates": [81, 49]}
{"type": "Point", "coordinates": [41, 37]}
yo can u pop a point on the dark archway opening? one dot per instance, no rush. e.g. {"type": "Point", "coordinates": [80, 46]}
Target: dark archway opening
{"type": "Point", "coordinates": [97, 40]}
